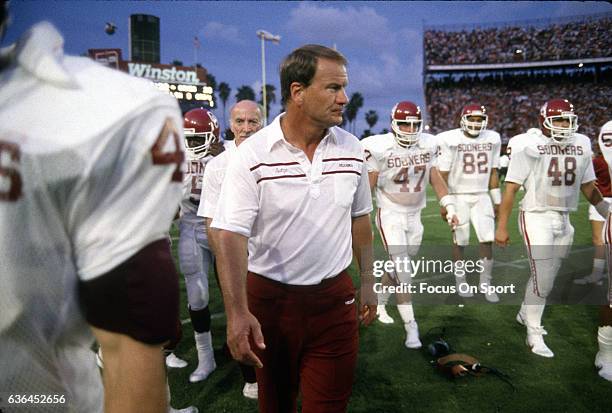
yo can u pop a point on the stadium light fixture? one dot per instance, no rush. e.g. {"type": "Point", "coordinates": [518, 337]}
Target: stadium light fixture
{"type": "Point", "coordinates": [264, 35]}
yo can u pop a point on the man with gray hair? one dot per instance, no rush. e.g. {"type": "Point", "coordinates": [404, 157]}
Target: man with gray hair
{"type": "Point", "coordinates": [245, 120]}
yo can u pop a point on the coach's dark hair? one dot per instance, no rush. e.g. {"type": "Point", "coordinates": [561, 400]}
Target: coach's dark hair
{"type": "Point", "coordinates": [301, 65]}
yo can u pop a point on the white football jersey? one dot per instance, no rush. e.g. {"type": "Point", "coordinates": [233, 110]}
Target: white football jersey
{"type": "Point", "coordinates": [605, 143]}
{"type": "Point", "coordinates": [86, 181]}
{"type": "Point", "coordinates": [403, 173]}
{"type": "Point", "coordinates": [192, 188]}
{"type": "Point", "coordinates": [213, 179]}
{"type": "Point", "coordinates": [551, 173]}
{"type": "Point", "coordinates": [517, 143]}
{"type": "Point", "coordinates": [469, 161]}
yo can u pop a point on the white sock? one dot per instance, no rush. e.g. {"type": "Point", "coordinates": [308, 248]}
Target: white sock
{"type": "Point", "coordinates": [598, 266]}
{"type": "Point", "coordinates": [383, 298]}
{"type": "Point", "coordinates": [533, 306]}
{"type": "Point", "coordinates": [604, 337]}
{"type": "Point", "coordinates": [406, 312]}
{"type": "Point", "coordinates": [203, 342]}
{"type": "Point", "coordinates": [487, 269]}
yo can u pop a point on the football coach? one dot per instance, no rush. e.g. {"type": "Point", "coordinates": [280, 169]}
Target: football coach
{"type": "Point", "coordinates": [293, 210]}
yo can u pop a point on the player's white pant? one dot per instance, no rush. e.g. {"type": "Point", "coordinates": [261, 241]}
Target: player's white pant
{"type": "Point", "coordinates": [195, 258]}
{"type": "Point", "coordinates": [477, 209]}
{"type": "Point", "coordinates": [547, 235]}
{"type": "Point", "coordinates": [401, 234]}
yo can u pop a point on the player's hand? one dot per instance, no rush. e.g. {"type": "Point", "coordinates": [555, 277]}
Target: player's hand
{"type": "Point", "coordinates": [443, 213]}
{"type": "Point", "coordinates": [216, 148]}
{"type": "Point", "coordinates": [367, 304]}
{"type": "Point", "coordinates": [242, 329]}
{"type": "Point", "coordinates": [453, 222]}
{"type": "Point", "coordinates": [501, 237]}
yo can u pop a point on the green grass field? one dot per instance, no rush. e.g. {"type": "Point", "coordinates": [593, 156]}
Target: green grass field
{"type": "Point", "coordinates": [391, 378]}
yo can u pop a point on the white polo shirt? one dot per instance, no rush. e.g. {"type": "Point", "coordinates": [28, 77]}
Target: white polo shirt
{"type": "Point", "coordinates": [297, 214]}
{"type": "Point", "coordinates": [213, 178]}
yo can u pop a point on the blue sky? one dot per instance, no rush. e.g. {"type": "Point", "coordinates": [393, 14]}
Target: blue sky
{"type": "Point", "coordinates": [382, 40]}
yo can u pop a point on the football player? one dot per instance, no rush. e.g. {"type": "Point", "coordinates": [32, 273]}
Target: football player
{"type": "Point", "coordinates": [597, 221]}
{"type": "Point", "coordinates": [245, 119]}
{"type": "Point", "coordinates": [89, 183]}
{"type": "Point", "coordinates": [195, 257]}
{"type": "Point", "coordinates": [400, 163]}
{"type": "Point", "coordinates": [468, 162]}
{"type": "Point", "coordinates": [603, 359]}
{"type": "Point", "coordinates": [554, 165]}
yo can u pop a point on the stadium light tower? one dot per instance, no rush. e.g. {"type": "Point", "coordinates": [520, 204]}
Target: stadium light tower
{"type": "Point", "coordinates": [264, 35]}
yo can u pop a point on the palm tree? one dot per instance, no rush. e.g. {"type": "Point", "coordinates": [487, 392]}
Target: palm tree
{"type": "Point", "coordinates": [224, 93]}
{"type": "Point", "coordinates": [356, 102]}
{"type": "Point", "coordinates": [212, 82]}
{"type": "Point", "coordinates": [371, 117]}
{"type": "Point", "coordinates": [270, 97]}
{"type": "Point", "coordinates": [245, 93]}
{"type": "Point", "coordinates": [349, 114]}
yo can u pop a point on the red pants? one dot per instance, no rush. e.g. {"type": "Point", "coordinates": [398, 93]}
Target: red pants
{"type": "Point", "coordinates": [311, 337]}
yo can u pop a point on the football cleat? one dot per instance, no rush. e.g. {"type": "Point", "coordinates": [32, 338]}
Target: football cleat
{"type": "Point", "coordinates": [172, 361]}
{"type": "Point", "coordinates": [383, 316]}
{"type": "Point", "coordinates": [250, 390]}
{"type": "Point", "coordinates": [490, 296]}
{"type": "Point", "coordinates": [604, 366]}
{"type": "Point", "coordinates": [590, 279]}
{"type": "Point", "coordinates": [463, 288]}
{"type": "Point", "coordinates": [412, 335]}
{"type": "Point", "coordinates": [535, 341]}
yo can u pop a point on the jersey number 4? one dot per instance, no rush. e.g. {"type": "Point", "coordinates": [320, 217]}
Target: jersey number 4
{"type": "Point", "coordinates": [402, 178]}
{"type": "Point", "coordinates": [569, 173]}
{"type": "Point", "coordinates": [165, 158]}
{"type": "Point", "coordinates": [12, 192]}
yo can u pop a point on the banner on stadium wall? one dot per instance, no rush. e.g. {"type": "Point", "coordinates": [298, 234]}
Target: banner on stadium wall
{"type": "Point", "coordinates": [183, 82]}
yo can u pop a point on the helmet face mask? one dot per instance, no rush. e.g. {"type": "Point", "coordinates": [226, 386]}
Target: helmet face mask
{"type": "Point", "coordinates": [201, 131]}
{"type": "Point", "coordinates": [406, 123]}
{"type": "Point", "coordinates": [474, 120]}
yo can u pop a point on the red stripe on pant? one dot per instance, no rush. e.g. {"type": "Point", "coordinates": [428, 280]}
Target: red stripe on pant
{"type": "Point", "coordinates": [532, 264]}
{"type": "Point", "coordinates": [311, 336]}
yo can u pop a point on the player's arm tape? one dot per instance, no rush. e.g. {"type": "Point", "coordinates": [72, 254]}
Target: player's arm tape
{"type": "Point", "coordinates": [495, 194]}
{"type": "Point", "coordinates": [447, 200]}
{"type": "Point", "coordinates": [139, 298]}
{"type": "Point", "coordinates": [603, 208]}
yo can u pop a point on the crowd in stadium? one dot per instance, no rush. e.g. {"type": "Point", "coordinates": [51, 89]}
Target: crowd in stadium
{"type": "Point", "coordinates": [513, 100]}
{"type": "Point", "coordinates": [573, 40]}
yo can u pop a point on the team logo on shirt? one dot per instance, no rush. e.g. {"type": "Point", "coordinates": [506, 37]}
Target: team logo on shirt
{"type": "Point", "coordinates": [560, 150]}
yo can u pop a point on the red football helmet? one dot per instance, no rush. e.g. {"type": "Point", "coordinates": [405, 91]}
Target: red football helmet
{"type": "Point", "coordinates": [201, 130]}
{"type": "Point", "coordinates": [468, 124]}
{"type": "Point", "coordinates": [406, 112]}
{"type": "Point", "coordinates": [554, 111]}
